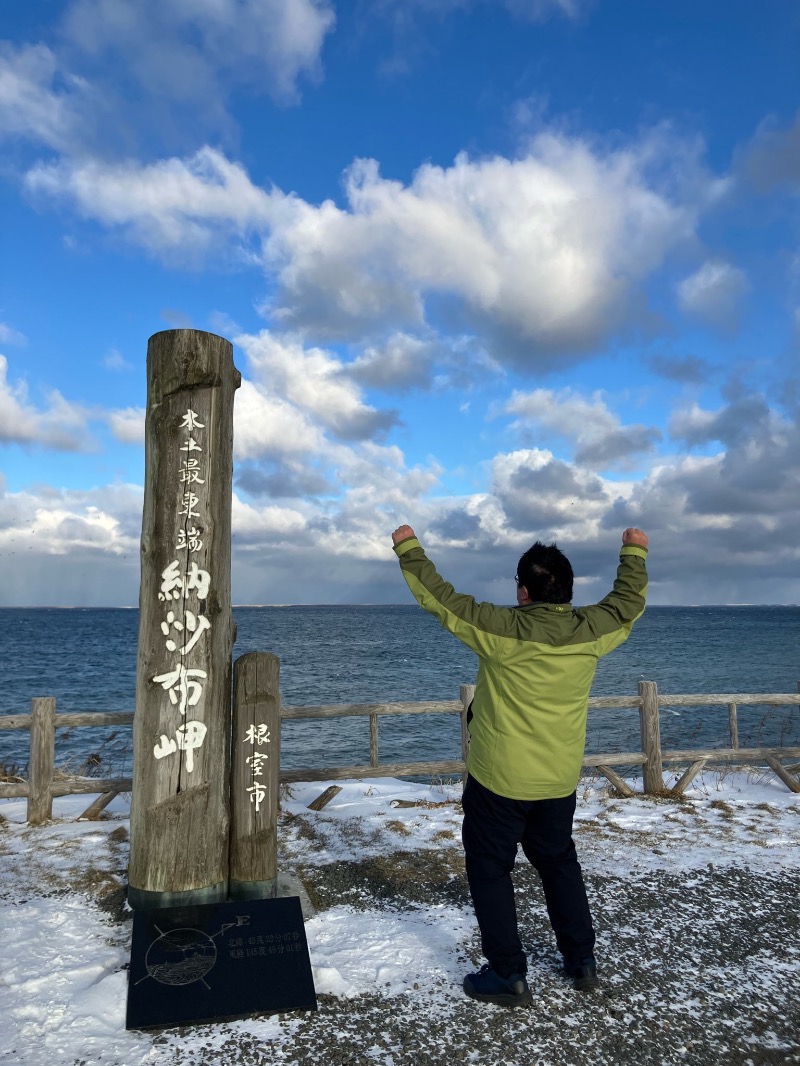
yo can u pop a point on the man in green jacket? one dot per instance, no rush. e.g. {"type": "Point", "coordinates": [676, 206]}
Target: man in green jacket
{"type": "Point", "coordinates": [527, 735]}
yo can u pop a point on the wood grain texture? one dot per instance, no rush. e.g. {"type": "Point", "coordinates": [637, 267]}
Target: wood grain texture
{"type": "Point", "coordinates": [179, 806]}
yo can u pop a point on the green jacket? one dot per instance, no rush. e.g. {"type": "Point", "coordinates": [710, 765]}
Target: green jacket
{"type": "Point", "coordinates": [537, 663]}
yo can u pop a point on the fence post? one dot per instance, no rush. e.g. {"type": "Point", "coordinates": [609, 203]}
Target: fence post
{"type": "Point", "coordinates": [42, 760]}
{"type": "Point", "coordinates": [649, 724]}
{"type": "Point", "coordinates": [181, 726]}
{"type": "Point", "coordinates": [255, 776]}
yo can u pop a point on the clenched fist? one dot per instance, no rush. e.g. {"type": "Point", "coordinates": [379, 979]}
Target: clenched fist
{"type": "Point", "coordinates": [402, 533]}
{"type": "Point", "coordinates": [635, 536]}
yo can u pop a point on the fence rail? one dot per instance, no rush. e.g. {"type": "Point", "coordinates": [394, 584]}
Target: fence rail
{"type": "Point", "coordinates": [42, 784]}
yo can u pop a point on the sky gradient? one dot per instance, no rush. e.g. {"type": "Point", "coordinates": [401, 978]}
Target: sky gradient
{"type": "Point", "coordinates": [505, 270]}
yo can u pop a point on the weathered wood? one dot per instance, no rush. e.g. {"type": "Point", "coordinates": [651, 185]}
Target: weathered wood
{"type": "Point", "coordinates": [688, 776]}
{"type": "Point", "coordinates": [343, 773]}
{"type": "Point", "coordinates": [15, 721]}
{"type": "Point", "coordinates": [255, 767]}
{"type": "Point", "coordinates": [13, 789]}
{"type": "Point", "coordinates": [75, 786]}
{"type": "Point", "coordinates": [373, 740]}
{"type": "Point", "coordinates": [733, 725]}
{"type": "Point", "coordinates": [652, 771]}
{"type": "Point", "coordinates": [619, 784]}
{"type": "Point", "coordinates": [730, 754]}
{"type": "Point", "coordinates": [181, 729]}
{"type": "Point", "coordinates": [68, 786]}
{"type": "Point", "coordinates": [710, 699]}
{"type": "Point", "coordinates": [94, 810]}
{"type": "Point", "coordinates": [324, 799]}
{"type": "Point", "coordinates": [71, 720]}
{"type": "Point", "coordinates": [790, 782]}
{"type": "Point", "coordinates": [630, 758]}
{"type": "Point", "coordinates": [42, 760]}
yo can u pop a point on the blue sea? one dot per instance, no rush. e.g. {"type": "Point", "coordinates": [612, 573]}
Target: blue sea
{"type": "Point", "coordinates": [86, 658]}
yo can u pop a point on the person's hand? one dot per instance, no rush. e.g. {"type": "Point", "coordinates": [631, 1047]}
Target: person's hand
{"type": "Point", "coordinates": [635, 536]}
{"type": "Point", "coordinates": [402, 533]}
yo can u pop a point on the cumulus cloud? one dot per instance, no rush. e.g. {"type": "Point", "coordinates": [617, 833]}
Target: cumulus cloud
{"type": "Point", "coordinates": [401, 362]}
{"type": "Point", "coordinates": [61, 425]}
{"type": "Point", "coordinates": [538, 491]}
{"type": "Point", "coordinates": [37, 103]}
{"type": "Point", "coordinates": [127, 424]}
{"type": "Point", "coordinates": [313, 381]}
{"type": "Point", "coordinates": [599, 438]}
{"type": "Point", "coordinates": [549, 247]}
{"type": "Point", "coordinates": [714, 293]}
{"type": "Point", "coordinates": [545, 255]}
{"type": "Point", "coordinates": [174, 206]}
{"type": "Point", "coordinates": [180, 51]}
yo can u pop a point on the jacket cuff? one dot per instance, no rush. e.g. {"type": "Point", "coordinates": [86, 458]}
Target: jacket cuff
{"type": "Point", "coordinates": [406, 546]}
{"type": "Point", "coordinates": [633, 549]}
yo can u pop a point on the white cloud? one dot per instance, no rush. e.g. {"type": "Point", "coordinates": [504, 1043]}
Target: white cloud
{"type": "Point", "coordinates": [193, 51]}
{"type": "Point", "coordinates": [401, 362]}
{"type": "Point", "coordinates": [266, 424]}
{"type": "Point", "coordinates": [547, 254]}
{"type": "Point", "coordinates": [35, 103]}
{"type": "Point", "coordinates": [127, 425]}
{"type": "Point", "coordinates": [714, 293]}
{"type": "Point", "coordinates": [174, 204]}
{"type": "Point", "coordinates": [8, 335]}
{"type": "Point", "coordinates": [59, 522]}
{"type": "Point", "coordinates": [313, 381]}
{"type": "Point", "coordinates": [599, 437]}
{"type": "Point", "coordinates": [61, 425]}
{"type": "Point", "coordinates": [549, 247]}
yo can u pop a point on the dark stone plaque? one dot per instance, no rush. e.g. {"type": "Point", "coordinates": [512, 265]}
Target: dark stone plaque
{"type": "Point", "coordinates": [217, 962]}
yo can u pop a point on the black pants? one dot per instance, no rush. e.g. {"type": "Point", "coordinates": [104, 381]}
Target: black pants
{"type": "Point", "coordinates": [493, 827]}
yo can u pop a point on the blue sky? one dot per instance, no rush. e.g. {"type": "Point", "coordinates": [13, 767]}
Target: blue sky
{"type": "Point", "coordinates": [502, 269]}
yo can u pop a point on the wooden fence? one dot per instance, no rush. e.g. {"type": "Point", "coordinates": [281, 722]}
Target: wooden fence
{"type": "Point", "coordinates": [43, 783]}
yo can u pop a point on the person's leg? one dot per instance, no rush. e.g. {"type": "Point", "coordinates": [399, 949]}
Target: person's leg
{"type": "Point", "coordinates": [548, 846]}
{"type": "Point", "coordinates": [491, 831]}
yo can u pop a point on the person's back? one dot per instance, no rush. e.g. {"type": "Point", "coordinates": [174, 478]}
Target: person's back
{"type": "Point", "coordinates": [536, 666]}
{"type": "Point", "coordinates": [527, 735]}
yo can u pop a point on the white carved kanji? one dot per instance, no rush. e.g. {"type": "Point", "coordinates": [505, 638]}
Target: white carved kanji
{"type": "Point", "coordinates": [195, 624]}
{"type": "Point", "coordinates": [191, 421]}
{"type": "Point", "coordinates": [256, 734]}
{"type": "Point", "coordinates": [183, 689]}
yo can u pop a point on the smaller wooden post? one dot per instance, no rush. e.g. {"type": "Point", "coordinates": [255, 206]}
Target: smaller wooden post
{"type": "Point", "coordinates": [650, 726]}
{"type": "Point", "coordinates": [42, 759]}
{"type": "Point", "coordinates": [255, 777]}
{"type": "Point", "coordinates": [733, 725]}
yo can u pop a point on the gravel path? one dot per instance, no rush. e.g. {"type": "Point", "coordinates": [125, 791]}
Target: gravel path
{"type": "Point", "coordinates": [700, 967]}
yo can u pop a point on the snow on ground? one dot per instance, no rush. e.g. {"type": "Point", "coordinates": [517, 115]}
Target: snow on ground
{"type": "Point", "coordinates": [695, 902]}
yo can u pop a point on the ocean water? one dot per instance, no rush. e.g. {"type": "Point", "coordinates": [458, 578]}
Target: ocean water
{"type": "Point", "coordinates": [86, 658]}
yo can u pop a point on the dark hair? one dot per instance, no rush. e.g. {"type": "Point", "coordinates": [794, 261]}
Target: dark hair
{"type": "Point", "coordinates": [546, 573]}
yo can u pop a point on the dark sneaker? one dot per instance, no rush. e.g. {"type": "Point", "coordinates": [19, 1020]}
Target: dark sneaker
{"type": "Point", "coordinates": [489, 987]}
{"type": "Point", "coordinates": [583, 974]}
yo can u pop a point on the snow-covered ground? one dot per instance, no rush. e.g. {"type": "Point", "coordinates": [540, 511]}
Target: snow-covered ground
{"type": "Point", "coordinates": [696, 905]}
